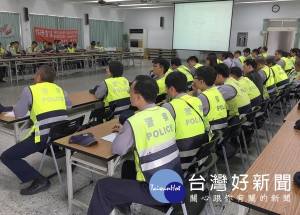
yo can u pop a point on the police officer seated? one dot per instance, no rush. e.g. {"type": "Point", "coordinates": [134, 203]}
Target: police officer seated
{"type": "Point", "coordinates": [280, 77]}
{"type": "Point", "coordinates": [115, 88]}
{"type": "Point", "coordinates": [214, 105]}
{"type": "Point", "coordinates": [160, 68]}
{"type": "Point", "coordinates": [187, 112]}
{"type": "Point", "coordinates": [235, 96]}
{"type": "Point", "coordinates": [177, 66]}
{"type": "Point", "coordinates": [251, 89]}
{"type": "Point", "coordinates": [194, 64]}
{"type": "Point", "coordinates": [151, 132]}
{"type": "Point", "coordinates": [48, 105]}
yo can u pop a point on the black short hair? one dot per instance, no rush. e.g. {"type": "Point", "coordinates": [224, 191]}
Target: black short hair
{"type": "Point", "coordinates": [285, 54]}
{"type": "Point", "coordinates": [256, 51]}
{"type": "Point", "coordinates": [193, 58]}
{"type": "Point", "coordinates": [116, 68]}
{"type": "Point", "coordinates": [279, 51]}
{"type": "Point", "coordinates": [34, 42]}
{"type": "Point", "coordinates": [155, 60]}
{"type": "Point", "coordinates": [251, 62]}
{"type": "Point", "coordinates": [222, 69]}
{"type": "Point", "coordinates": [246, 50]}
{"type": "Point", "coordinates": [265, 48]}
{"type": "Point", "coordinates": [49, 44]}
{"type": "Point", "coordinates": [70, 43]}
{"type": "Point", "coordinates": [207, 74]}
{"type": "Point", "coordinates": [75, 45]}
{"type": "Point", "coordinates": [260, 60]}
{"type": "Point", "coordinates": [238, 52]}
{"type": "Point", "coordinates": [47, 73]}
{"type": "Point", "coordinates": [271, 60]}
{"type": "Point", "coordinates": [164, 63]}
{"type": "Point", "coordinates": [294, 50]}
{"type": "Point", "coordinates": [177, 80]}
{"type": "Point", "coordinates": [93, 43]}
{"type": "Point", "coordinates": [225, 55]}
{"type": "Point", "coordinates": [58, 41]}
{"type": "Point", "coordinates": [236, 71]}
{"type": "Point", "coordinates": [176, 61]}
{"type": "Point", "coordinates": [230, 55]}
{"type": "Point", "coordinates": [147, 87]}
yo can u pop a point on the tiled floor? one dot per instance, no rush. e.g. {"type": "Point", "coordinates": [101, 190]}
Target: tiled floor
{"type": "Point", "coordinates": [52, 202]}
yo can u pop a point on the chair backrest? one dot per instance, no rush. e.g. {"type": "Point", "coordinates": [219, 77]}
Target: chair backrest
{"type": "Point", "coordinates": [65, 128]}
{"type": "Point", "coordinates": [160, 98]}
{"type": "Point", "coordinates": [204, 151]}
{"type": "Point", "coordinates": [251, 115]}
{"type": "Point", "coordinates": [101, 114]}
{"type": "Point", "coordinates": [234, 130]}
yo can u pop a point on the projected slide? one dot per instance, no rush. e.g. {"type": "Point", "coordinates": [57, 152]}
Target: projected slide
{"type": "Point", "coordinates": [202, 25]}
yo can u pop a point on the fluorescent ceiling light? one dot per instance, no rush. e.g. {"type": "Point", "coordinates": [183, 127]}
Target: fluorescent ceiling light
{"type": "Point", "coordinates": [114, 0]}
{"type": "Point", "coordinates": [149, 7]}
{"type": "Point", "coordinates": [272, 1]}
{"type": "Point", "coordinates": [132, 5]}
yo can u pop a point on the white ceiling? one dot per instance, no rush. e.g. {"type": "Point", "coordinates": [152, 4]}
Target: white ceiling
{"type": "Point", "coordinates": [130, 4]}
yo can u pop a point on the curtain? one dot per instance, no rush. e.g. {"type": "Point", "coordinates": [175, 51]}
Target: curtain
{"type": "Point", "coordinates": [297, 37]}
{"type": "Point", "coordinates": [109, 33]}
{"type": "Point", "coordinates": [265, 32]}
{"type": "Point", "coordinates": [66, 23]}
{"type": "Point", "coordinates": [14, 20]}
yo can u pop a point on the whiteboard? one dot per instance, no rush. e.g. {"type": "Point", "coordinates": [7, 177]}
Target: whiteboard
{"type": "Point", "coordinates": [202, 25]}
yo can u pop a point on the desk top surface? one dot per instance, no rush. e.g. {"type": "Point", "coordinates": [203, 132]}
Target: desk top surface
{"type": "Point", "coordinates": [101, 150]}
{"type": "Point", "coordinates": [281, 156]}
{"type": "Point", "coordinates": [294, 114]}
{"type": "Point", "coordinates": [78, 99]}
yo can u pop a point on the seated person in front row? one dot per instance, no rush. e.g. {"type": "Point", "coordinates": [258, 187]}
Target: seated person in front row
{"type": "Point", "coordinates": [190, 123]}
{"type": "Point", "coordinates": [235, 96]}
{"type": "Point", "coordinates": [48, 49]}
{"type": "Point", "coordinates": [214, 106]}
{"type": "Point", "coordinates": [177, 66]}
{"type": "Point", "coordinates": [160, 67]}
{"type": "Point", "coordinates": [295, 77]}
{"type": "Point", "coordinates": [251, 89]}
{"type": "Point", "coordinates": [115, 88]}
{"type": "Point", "coordinates": [194, 64]}
{"type": "Point", "coordinates": [133, 186]}
{"type": "Point", "coordinates": [60, 48]}
{"type": "Point", "coordinates": [152, 75]}
{"type": "Point", "coordinates": [45, 110]}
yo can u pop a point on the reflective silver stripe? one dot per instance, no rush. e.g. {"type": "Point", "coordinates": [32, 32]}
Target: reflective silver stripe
{"type": "Point", "coordinates": [42, 132]}
{"type": "Point", "coordinates": [247, 123]}
{"type": "Point", "coordinates": [51, 120]}
{"type": "Point", "coordinates": [125, 107]}
{"type": "Point", "coordinates": [282, 86]}
{"type": "Point", "coordinates": [159, 162]}
{"type": "Point", "coordinates": [242, 115]}
{"type": "Point", "coordinates": [189, 153]}
{"type": "Point", "coordinates": [270, 91]}
{"type": "Point", "coordinates": [157, 148]}
{"type": "Point", "coordinates": [219, 126]}
{"type": "Point", "coordinates": [186, 165]}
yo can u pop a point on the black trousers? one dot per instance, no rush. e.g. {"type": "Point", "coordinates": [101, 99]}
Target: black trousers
{"type": "Point", "coordinates": [12, 158]}
{"type": "Point", "coordinates": [2, 72]}
{"type": "Point", "coordinates": [110, 192]}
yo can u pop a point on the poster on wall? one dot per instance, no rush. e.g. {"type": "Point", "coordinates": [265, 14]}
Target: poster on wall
{"type": "Point", "coordinates": [242, 38]}
{"type": "Point", "coordinates": [6, 30]}
{"type": "Point", "coordinates": [49, 35]}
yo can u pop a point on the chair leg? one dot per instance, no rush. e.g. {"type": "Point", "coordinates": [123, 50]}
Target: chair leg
{"type": "Point", "coordinates": [221, 193]}
{"type": "Point", "coordinates": [246, 148]}
{"type": "Point", "coordinates": [272, 130]}
{"type": "Point", "coordinates": [257, 137]}
{"type": "Point", "coordinates": [170, 210]}
{"type": "Point", "coordinates": [184, 208]}
{"type": "Point", "coordinates": [210, 201]}
{"type": "Point", "coordinates": [266, 130]}
{"type": "Point", "coordinates": [241, 153]}
{"type": "Point", "coordinates": [42, 161]}
{"type": "Point", "coordinates": [227, 165]}
{"type": "Point", "coordinates": [57, 170]}
{"type": "Point", "coordinates": [281, 110]}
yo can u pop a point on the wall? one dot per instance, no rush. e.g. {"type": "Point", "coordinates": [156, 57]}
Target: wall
{"type": "Point", "coordinates": [249, 18]}
{"type": "Point", "coordinates": [57, 8]}
{"type": "Point", "coordinates": [246, 18]}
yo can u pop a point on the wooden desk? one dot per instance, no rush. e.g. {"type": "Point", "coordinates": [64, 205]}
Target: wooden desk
{"type": "Point", "coordinates": [281, 156]}
{"type": "Point", "coordinates": [97, 158]}
{"type": "Point", "coordinates": [79, 100]}
{"type": "Point", "coordinates": [293, 115]}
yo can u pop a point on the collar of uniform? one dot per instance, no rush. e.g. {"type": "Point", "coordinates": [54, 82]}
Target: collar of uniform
{"type": "Point", "coordinates": [179, 95]}
{"type": "Point", "coordinates": [161, 77]}
{"type": "Point", "coordinates": [148, 106]}
{"type": "Point", "coordinates": [241, 77]}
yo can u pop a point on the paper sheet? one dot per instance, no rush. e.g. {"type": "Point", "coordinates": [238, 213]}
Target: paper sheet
{"type": "Point", "coordinates": [110, 137]}
{"type": "Point", "coordinates": [12, 114]}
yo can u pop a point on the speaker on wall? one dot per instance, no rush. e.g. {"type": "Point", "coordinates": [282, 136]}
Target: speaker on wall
{"type": "Point", "coordinates": [162, 21]}
{"type": "Point", "coordinates": [86, 18]}
{"type": "Point", "coordinates": [26, 15]}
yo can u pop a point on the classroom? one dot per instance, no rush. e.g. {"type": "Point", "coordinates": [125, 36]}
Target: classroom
{"type": "Point", "coordinates": [149, 107]}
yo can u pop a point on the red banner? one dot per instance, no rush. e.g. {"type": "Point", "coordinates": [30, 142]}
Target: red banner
{"type": "Point", "coordinates": [49, 35]}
